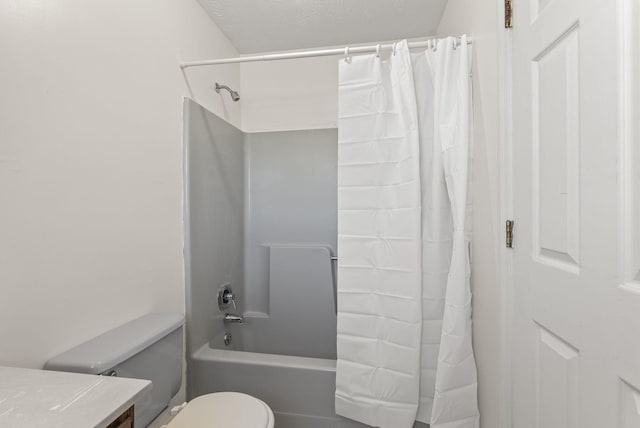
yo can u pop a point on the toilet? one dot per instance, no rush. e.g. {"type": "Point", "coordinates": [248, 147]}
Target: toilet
{"type": "Point", "coordinates": [150, 347]}
{"type": "Point", "coordinates": [229, 409]}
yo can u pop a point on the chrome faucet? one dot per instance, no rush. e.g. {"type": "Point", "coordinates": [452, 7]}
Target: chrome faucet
{"type": "Point", "coordinates": [226, 297]}
{"type": "Point", "coordinates": [233, 319]}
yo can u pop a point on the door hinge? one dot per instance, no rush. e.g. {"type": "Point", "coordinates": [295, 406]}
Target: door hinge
{"type": "Point", "coordinates": [509, 233]}
{"type": "Point", "coordinates": [508, 14]}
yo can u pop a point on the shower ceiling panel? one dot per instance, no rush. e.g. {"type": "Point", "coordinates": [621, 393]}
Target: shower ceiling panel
{"type": "Point", "coordinates": [275, 25]}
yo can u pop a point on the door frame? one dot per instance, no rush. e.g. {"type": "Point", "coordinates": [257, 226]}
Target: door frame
{"type": "Point", "coordinates": [505, 255]}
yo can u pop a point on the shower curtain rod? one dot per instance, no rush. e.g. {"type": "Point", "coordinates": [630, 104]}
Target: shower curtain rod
{"type": "Point", "coordinates": [307, 54]}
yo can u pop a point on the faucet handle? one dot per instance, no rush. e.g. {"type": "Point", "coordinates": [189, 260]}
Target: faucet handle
{"type": "Point", "coordinates": [226, 298]}
{"type": "Point", "coordinates": [232, 298]}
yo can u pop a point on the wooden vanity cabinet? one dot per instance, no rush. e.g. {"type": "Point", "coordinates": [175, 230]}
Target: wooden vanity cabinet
{"type": "Point", "coordinates": [125, 420]}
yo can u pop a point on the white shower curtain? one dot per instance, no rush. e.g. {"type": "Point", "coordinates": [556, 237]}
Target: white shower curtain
{"type": "Point", "coordinates": [404, 300]}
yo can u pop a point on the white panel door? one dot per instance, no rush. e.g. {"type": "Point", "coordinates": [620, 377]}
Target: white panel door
{"type": "Point", "coordinates": [576, 300]}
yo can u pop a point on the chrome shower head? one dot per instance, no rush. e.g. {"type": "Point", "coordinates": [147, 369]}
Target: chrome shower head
{"type": "Point", "coordinates": [234, 95]}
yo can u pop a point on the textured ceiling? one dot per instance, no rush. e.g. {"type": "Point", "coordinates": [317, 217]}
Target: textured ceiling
{"type": "Point", "coordinates": [276, 25]}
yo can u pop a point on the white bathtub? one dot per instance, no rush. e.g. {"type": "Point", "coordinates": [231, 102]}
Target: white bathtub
{"type": "Point", "coordinates": [300, 390]}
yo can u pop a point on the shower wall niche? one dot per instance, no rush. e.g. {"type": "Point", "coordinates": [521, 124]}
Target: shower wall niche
{"type": "Point", "coordinates": [262, 216]}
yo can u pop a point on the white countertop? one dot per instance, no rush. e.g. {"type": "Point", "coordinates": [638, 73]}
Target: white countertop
{"type": "Point", "coordinates": [40, 398]}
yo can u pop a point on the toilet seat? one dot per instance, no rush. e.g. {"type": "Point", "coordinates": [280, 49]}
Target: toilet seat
{"type": "Point", "coordinates": [224, 410]}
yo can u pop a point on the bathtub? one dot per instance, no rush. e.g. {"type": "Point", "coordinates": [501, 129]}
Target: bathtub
{"type": "Point", "coordinates": [300, 390]}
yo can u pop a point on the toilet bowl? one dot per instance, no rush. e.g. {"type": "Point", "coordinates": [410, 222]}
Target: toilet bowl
{"type": "Point", "coordinates": [224, 410]}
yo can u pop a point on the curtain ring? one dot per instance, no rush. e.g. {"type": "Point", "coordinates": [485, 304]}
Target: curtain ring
{"type": "Point", "coordinates": [346, 54]}
{"type": "Point", "coordinates": [393, 49]}
{"type": "Point", "coordinates": [378, 50]}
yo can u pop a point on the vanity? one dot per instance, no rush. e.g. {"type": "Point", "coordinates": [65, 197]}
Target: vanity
{"type": "Point", "coordinates": [41, 398]}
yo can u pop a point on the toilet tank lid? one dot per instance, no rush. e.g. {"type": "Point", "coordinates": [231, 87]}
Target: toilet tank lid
{"type": "Point", "coordinates": [106, 351]}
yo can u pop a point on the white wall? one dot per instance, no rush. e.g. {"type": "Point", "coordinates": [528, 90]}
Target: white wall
{"type": "Point", "coordinates": [478, 18]}
{"type": "Point", "coordinates": [290, 95]}
{"type": "Point", "coordinates": [91, 163]}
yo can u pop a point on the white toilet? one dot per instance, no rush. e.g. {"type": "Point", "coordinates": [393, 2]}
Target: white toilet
{"type": "Point", "coordinates": [150, 348]}
{"type": "Point", "coordinates": [229, 409]}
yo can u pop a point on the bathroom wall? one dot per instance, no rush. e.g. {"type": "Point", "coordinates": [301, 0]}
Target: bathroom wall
{"type": "Point", "coordinates": [290, 94]}
{"type": "Point", "coordinates": [479, 19]}
{"type": "Point", "coordinates": [214, 256]}
{"type": "Point", "coordinates": [91, 163]}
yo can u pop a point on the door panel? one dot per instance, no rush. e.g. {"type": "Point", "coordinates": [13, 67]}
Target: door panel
{"type": "Point", "coordinates": [576, 193]}
{"type": "Point", "coordinates": [557, 381]}
{"type": "Point", "coordinates": [555, 129]}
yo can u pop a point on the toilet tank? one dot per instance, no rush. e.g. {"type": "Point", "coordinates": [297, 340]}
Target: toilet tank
{"type": "Point", "coordinates": [149, 347]}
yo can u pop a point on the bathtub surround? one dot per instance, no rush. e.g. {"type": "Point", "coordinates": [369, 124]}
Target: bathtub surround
{"type": "Point", "coordinates": [404, 301]}
{"type": "Point", "coordinates": [248, 196]}
{"type": "Point", "coordinates": [261, 213]}
{"type": "Point", "coordinates": [291, 198]}
{"type": "Point", "coordinates": [301, 320]}
{"type": "Point", "coordinates": [214, 210]}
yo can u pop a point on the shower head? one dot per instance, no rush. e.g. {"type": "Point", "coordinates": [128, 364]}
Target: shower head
{"type": "Point", "coordinates": [234, 95]}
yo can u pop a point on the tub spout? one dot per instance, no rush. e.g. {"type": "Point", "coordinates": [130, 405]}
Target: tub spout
{"type": "Point", "coordinates": [233, 319]}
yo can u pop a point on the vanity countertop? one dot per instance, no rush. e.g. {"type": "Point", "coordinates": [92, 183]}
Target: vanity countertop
{"type": "Point", "coordinates": [41, 398]}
